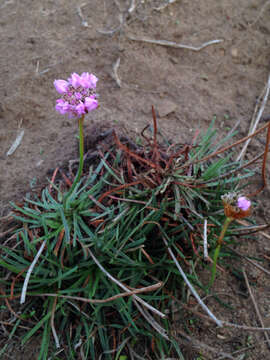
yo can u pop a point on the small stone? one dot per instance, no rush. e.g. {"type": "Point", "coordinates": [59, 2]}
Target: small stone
{"type": "Point", "coordinates": [39, 163]}
{"type": "Point", "coordinates": [234, 52]}
{"type": "Point", "coordinates": [165, 107]}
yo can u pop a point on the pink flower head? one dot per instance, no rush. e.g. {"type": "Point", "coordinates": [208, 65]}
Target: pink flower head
{"type": "Point", "coordinates": [243, 203]}
{"type": "Point", "coordinates": [78, 94]}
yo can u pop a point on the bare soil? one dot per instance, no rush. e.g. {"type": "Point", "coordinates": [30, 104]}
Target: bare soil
{"type": "Point", "coordinates": [46, 40]}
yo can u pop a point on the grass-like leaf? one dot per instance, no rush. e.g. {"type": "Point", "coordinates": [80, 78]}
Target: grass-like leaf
{"type": "Point", "coordinates": [107, 237]}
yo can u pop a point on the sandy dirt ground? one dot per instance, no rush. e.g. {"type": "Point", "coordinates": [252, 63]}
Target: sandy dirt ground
{"type": "Point", "coordinates": [44, 40]}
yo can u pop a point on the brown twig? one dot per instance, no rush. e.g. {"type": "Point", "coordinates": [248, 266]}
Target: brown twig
{"type": "Point", "coordinates": [14, 282]}
{"type": "Point", "coordinates": [256, 117]}
{"type": "Point", "coordinates": [144, 136]}
{"type": "Point", "coordinates": [12, 324]}
{"type": "Point", "coordinates": [114, 73]}
{"type": "Point", "coordinates": [264, 164]}
{"type": "Point", "coordinates": [147, 256]}
{"type": "Point", "coordinates": [256, 306]}
{"type": "Point", "coordinates": [250, 230]}
{"type": "Point", "coordinates": [103, 301]}
{"type": "Point", "coordinates": [9, 306]}
{"type": "Point", "coordinates": [243, 222]}
{"type": "Point", "coordinates": [9, 231]}
{"type": "Point", "coordinates": [156, 156]}
{"type": "Point", "coordinates": [173, 44]}
{"type": "Point", "coordinates": [8, 218]}
{"type": "Point", "coordinates": [56, 340]}
{"type": "Point", "coordinates": [67, 181]}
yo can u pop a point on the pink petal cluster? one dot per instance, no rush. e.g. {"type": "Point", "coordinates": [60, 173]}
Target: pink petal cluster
{"type": "Point", "coordinates": [78, 94]}
{"type": "Point", "coordinates": [243, 203]}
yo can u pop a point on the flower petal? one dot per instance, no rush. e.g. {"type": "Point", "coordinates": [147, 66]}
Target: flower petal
{"type": "Point", "coordinates": [243, 203]}
{"type": "Point", "coordinates": [80, 109]}
{"type": "Point", "coordinates": [88, 81]}
{"type": "Point", "coordinates": [61, 86]}
{"type": "Point", "coordinates": [62, 106]}
{"type": "Point", "coordinates": [78, 95]}
{"type": "Point", "coordinates": [75, 80]}
{"type": "Point", "coordinates": [90, 103]}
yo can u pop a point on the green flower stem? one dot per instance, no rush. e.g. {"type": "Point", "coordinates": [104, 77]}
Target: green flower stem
{"type": "Point", "coordinates": [216, 254]}
{"type": "Point", "coordinates": [79, 172]}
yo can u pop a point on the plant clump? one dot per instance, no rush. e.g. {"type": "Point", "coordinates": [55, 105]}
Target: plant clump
{"type": "Point", "coordinates": [98, 261]}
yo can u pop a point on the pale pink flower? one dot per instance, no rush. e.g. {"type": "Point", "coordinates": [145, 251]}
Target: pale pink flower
{"type": "Point", "coordinates": [243, 203]}
{"type": "Point", "coordinates": [235, 206]}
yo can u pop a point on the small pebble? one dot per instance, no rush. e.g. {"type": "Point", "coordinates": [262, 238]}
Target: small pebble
{"type": "Point", "coordinates": [165, 107]}
{"type": "Point", "coordinates": [234, 52]}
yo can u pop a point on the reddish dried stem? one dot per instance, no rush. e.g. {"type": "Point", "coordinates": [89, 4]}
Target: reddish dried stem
{"type": "Point", "coordinates": [124, 186]}
{"type": "Point", "coordinates": [53, 179]}
{"type": "Point", "coordinates": [132, 154]}
{"type": "Point", "coordinates": [156, 155]}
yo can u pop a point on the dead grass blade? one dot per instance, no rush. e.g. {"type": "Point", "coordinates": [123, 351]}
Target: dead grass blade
{"type": "Point", "coordinates": [112, 298]}
{"type": "Point", "coordinates": [174, 44]}
{"type": "Point", "coordinates": [256, 118]}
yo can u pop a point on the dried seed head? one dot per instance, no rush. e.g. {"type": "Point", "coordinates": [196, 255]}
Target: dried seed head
{"type": "Point", "coordinates": [236, 206]}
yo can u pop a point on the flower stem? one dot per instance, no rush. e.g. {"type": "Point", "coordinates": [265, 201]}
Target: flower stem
{"type": "Point", "coordinates": [79, 172]}
{"type": "Point", "coordinates": [227, 222]}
